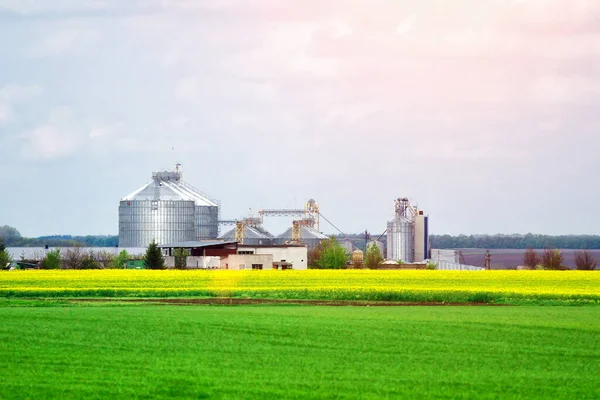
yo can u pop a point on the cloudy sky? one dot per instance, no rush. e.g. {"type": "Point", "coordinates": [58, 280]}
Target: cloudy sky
{"type": "Point", "coordinates": [485, 113]}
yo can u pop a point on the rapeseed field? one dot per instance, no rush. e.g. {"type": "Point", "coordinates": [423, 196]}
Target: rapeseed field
{"type": "Point", "coordinates": [367, 285]}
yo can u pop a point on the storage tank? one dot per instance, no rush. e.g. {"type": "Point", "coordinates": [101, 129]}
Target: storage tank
{"type": "Point", "coordinates": [166, 210]}
{"type": "Point", "coordinates": [358, 256]}
{"type": "Point", "coordinates": [401, 232]}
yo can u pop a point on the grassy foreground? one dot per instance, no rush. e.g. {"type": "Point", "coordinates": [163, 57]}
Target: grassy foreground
{"type": "Point", "coordinates": [128, 352]}
{"type": "Point", "coordinates": [417, 286]}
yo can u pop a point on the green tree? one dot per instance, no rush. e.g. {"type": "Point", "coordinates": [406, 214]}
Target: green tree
{"type": "Point", "coordinates": [180, 258]}
{"type": "Point", "coordinates": [120, 260]}
{"type": "Point", "coordinates": [333, 256]}
{"type": "Point", "coordinates": [373, 257]}
{"type": "Point", "coordinates": [52, 260]}
{"type": "Point", "coordinates": [10, 235]}
{"type": "Point", "coordinates": [154, 258]}
{"type": "Point", "coordinates": [5, 258]}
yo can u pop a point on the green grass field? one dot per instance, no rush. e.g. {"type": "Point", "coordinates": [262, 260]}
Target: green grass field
{"type": "Point", "coordinates": [141, 351]}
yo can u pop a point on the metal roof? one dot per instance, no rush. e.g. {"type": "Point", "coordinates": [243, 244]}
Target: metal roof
{"type": "Point", "coordinates": [306, 232]}
{"type": "Point", "coordinates": [250, 232]}
{"type": "Point", "coordinates": [169, 186]}
{"type": "Point", "coordinates": [195, 244]}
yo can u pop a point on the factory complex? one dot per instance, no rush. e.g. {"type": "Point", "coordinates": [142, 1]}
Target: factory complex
{"type": "Point", "coordinates": [175, 215]}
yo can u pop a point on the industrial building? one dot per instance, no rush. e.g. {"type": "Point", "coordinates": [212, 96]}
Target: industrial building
{"type": "Point", "coordinates": [167, 210]}
{"type": "Point", "coordinates": [407, 233]}
{"type": "Point", "coordinates": [232, 255]}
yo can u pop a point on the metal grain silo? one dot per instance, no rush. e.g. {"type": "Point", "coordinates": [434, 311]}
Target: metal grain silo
{"type": "Point", "coordinates": [401, 232]}
{"type": "Point", "coordinates": [166, 210]}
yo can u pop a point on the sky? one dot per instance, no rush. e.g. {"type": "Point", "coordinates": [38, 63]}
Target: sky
{"type": "Point", "coordinates": [484, 113]}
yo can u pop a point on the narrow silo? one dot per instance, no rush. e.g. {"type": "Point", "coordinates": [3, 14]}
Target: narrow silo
{"type": "Point", "coordinates": [401, 232]}
{"type": "Point", "coordinates": [421, 237]}
{"type": "Point", "coordinates": [166, 210]}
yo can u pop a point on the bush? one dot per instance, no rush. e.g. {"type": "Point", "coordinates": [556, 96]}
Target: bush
{"type": "Point", "coordinates": [530, 259]}
{"type": "Point", "coordinates": [431, 266]}
{"type": "Point", "coordinates": [72, 258]}
{"type": "Point", "coordinates": [154, 258]}
{"type": "Point", "coordinates": [52, 260]}
{"type": "Point", "coordinates": [585, 261]}
{"type": "Point", "coordinates": [181, 258]}
{"type": "Point", "coordinates": [553, 260]}
{"type": "Point", "coordinates": [104, 258]}
{"type": "Point", "coordinates": [89, 262]}
{"type": "Point", "coordinates": [314, 255]}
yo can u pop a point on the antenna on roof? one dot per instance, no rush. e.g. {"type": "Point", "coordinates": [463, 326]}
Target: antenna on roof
{"type": "Point", "coordinates": [179, 170]}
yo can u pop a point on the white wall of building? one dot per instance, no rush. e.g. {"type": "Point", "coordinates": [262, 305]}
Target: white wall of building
{"type": "Point", "coordinates": [196, 262]}
{"type": "Point", "coordinates": [297, 255]}
{"type": "Point", "coordinates": [245, 261]}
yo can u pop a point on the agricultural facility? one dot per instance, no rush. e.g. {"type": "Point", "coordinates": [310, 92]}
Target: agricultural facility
{"type": "Point", "coordinates": [169, 210]}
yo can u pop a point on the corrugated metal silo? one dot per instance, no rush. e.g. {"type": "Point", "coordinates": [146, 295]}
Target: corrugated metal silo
{"type": "Point", "coordinates": [166, 210]}
{"type": "Point", "coordinates": [401, 232]}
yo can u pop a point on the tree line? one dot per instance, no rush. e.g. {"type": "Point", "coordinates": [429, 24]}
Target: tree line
{"type": "Point", "coordinates": [527, 241]}
{"type": "Point", "coordinates": [13, 238]}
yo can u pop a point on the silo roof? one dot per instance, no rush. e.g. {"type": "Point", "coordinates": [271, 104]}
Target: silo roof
{"type": "Point", "coordinates": [250, 232]}
{"type": "Point", "coordinates": [306, 232]}
{"type": "Point", "coordinates": [169, 186]}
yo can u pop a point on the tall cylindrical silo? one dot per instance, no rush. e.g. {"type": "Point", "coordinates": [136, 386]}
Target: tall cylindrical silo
{"type": "Point", "coordinates": [400, 240]}
{"type": "Point", "coordinates": [166, 210]}
{"type": "Point", "coordinates": [401, 232]}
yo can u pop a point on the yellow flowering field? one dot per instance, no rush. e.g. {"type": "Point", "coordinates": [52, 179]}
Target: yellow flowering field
{"type": "Point", "coordinates": [421, 286]}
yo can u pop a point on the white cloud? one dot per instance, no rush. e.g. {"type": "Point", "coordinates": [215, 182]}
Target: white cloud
{"type": "Point", "coordinates": [14, 94]}
{"type": "Point", "coordinates": [104, 131]}
{"type": "Point", "coordinates": [179, 122]}
{"type": "Point", "coordinates": [59, 137]}
{"type": "Point", "coordinates": [38, 6]}
{"type": "Point", "coordinates": [406, 25]}
{"type": "Point", "coordinates": [64, 40]}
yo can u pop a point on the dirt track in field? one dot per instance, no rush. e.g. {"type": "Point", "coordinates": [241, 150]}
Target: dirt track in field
{"type": "Point", "coordinates": [234, 301]}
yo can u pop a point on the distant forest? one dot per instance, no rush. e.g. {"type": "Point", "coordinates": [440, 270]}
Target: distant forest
{"type": "Point", "coordinates": [515, 241]}
{"type": "Point", "coordinates": [12, 238]}
{"type": "Point", "coordinates": [498, 241]}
